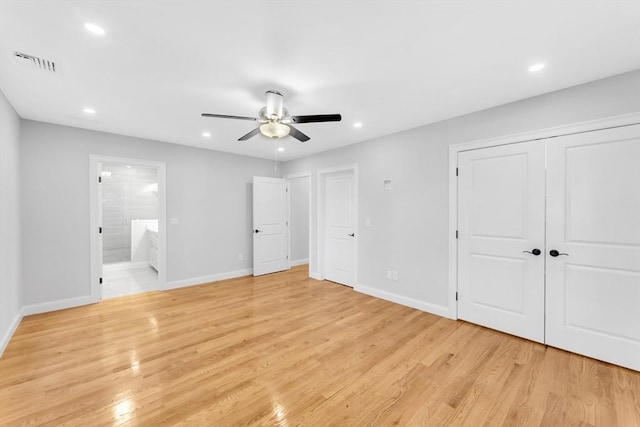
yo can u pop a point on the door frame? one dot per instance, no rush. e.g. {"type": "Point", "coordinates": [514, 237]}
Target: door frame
{"type": "Point", "coordinates": [95, 206]}
{"type": "Point", "coordinates": [541, 134]}
{"type": "Point", "coordinates": [321, 180]}
{"type": "Point", "coordinates": [288, 178]}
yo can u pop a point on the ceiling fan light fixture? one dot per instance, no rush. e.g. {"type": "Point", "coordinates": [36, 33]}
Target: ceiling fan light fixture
{"type": "Point", "coordinates": [274, 130]}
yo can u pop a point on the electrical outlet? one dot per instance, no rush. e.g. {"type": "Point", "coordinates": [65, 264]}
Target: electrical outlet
{"type": "Point", "coordinates": [240, 256]}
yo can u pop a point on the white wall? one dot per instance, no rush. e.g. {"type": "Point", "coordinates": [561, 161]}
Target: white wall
{"type": "Point", "coordinates": [299, 216]}
{"type": "Point", "coordinates": [409, 222]}
{"type": "Point", "coordinates": [209, 192]}
{"type": "Point", "coordinates": [10, 295]}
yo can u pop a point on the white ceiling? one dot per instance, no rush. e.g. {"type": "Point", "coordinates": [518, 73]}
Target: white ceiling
{"type": "Point", "coordinates": [392, 65]}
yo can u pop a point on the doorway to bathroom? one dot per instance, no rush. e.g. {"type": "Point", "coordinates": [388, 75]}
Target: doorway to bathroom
{"type": "Point", "coordinates": [127, 212]}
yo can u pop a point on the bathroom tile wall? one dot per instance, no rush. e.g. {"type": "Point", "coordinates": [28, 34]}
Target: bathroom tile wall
{"type": "Point", "coordinates": [127, 193]}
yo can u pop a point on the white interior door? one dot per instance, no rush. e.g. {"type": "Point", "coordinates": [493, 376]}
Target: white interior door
{"type": "Point", "coordinates": [593, 216]}
{"type": "Point", "coordinates": [339, 228]}
{"type": "Point", "coordinates": [501, 206]}
{"type": "Point", "coordinates": [270, 239]}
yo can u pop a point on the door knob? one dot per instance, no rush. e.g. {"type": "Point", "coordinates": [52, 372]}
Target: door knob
{"type": "Point", "coordinates": [352, 234]}
{"type": "Point", "coordinates": [257, 231]}
{"type": "Point", "coordinates": [535, 252]}
{"type": "Point", "coordinates": [555, 253]}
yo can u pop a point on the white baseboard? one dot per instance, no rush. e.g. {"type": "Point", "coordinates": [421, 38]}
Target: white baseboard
{"type": "Point", "coordinates": [60, 304]}
{"type": "Point", "coordinates": [315, 275]}
{"type": "Point", "coordinates": [299, 262]}
{"type": "Point", "coordinates": [436, 309]}
{"type": "Point", "coordinates": [210, 278]}
{"type": "Point", "coordinates": [12, 330]}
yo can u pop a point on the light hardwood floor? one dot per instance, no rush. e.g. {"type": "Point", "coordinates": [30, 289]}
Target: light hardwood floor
{"type": "Point", "coordinates": [286, 350]}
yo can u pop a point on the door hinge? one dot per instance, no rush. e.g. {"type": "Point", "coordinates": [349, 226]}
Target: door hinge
{"type": "Point", "coordinates": [456, 234]}
{"type": "Point", "coordinates": [99, 230]}
{"type": "Point", "coordinates": [287, 256]}
{"type": "Point", "coordinates": [286, 190]}
{"type": "Point", "coordinates": [456, 171]}
{"type": "Point", "coordinates": [287, 223]}
{"type": "Point", "coordinates": [456, 295]}
{"type": "Point", "coordinates": [101, 280]}
{"type": "Point", "coordinates": [99, 179]}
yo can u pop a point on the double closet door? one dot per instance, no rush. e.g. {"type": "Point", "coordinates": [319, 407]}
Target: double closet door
{"type": "Point", "coordinates": [549, 241]}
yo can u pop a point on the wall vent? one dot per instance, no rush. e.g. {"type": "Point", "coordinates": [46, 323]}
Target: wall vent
{"type": "Point", "coordinates": [35, 62]}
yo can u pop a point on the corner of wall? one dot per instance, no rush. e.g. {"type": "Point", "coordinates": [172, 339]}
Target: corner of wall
{"type": "Point", "coordinates": [11, 298]}
{"type": "Point", "coordinates": [4, 341]}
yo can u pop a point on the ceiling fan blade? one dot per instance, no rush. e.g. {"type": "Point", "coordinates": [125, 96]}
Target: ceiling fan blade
{"type": "Point", "coordinates": [222, 116]}
{"type": "Point", "coordinates": [249, 135]}
{"type": "Point", "coordinates": [298, 135]}
{"type": "Point", "coordinates": [317, 118]}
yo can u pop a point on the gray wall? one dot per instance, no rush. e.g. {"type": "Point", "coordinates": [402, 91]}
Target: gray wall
{"type": "Point", "coordinates": [10, 251]}
{"type": "Point", "coordinates": [299, 226]}
{"type": "Point", "coordinates": [209, 192]}
{"type": "Point", "coordinates": [409, 222]}
{"type": "Point", "coordinates": [126, 195]}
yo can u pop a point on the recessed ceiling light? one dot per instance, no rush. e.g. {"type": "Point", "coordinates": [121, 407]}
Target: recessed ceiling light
{"type": "Point", "coordinates": [206, 134]}
{"type": "Point", "coordinates": [281, 149]}
{"type": "Point", "coordinates": [89, 111]}
{"type": "Point", "coordinates": [93, 28]}
{"type": "Point", "coordinates": [536, 67]}
{"type": "Point", "coordinates": [357, 125]}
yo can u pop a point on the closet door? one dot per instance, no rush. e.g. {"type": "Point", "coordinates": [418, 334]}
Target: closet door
{"type": "Point", "coordinates": [501, 205]}
{"type": "Point", "coordinates": [593, 221]}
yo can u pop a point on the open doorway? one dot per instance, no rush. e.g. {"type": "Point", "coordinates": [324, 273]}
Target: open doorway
{"type": "Point", "coordinates": [128, 218]}
{"type": "Point", "coordinates": [129, 229]}
{"type": "Point", "coordinates": [299, 211]}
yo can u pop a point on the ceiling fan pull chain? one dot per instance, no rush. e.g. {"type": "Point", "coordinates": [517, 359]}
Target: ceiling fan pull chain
{"type": "Point", "coordinates": [275, 156]}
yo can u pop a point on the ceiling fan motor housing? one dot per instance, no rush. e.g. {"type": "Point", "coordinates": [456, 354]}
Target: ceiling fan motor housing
{"type": "Point", "coordinates": [275, 105]}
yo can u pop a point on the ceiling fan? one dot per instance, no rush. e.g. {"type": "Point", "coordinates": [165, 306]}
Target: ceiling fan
{"type": "Point", "coordinates": [275, 121]}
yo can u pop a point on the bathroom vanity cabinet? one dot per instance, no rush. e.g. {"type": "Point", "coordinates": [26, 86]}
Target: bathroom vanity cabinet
{"type": "Point", "coordinates": [152, 249]}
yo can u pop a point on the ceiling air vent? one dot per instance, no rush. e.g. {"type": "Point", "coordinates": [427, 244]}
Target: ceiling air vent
{"type": "Point", "coordinates": [34, 62]}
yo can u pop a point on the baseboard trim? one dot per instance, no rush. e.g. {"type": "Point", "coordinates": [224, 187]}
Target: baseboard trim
{"type": "Point", "coordinates": [60, 304]}
{"type": "Point", "coordinates": [12, 330]}
{"type": "Point", "coordinates": [438, 310]}
{"type": "Point", "coordinates": [207, 279]}
{"type": "Point", "coordinates": [299, 262]}
{"type": "Point", "coordinates": [315, 275]}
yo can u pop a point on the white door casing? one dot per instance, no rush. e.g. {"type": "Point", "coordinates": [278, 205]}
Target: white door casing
{"type": "Point", "coordinates": [501, 201]}
{"type": "Point", "coordinates": [100, 247]}
{"type": "Point", "coordinates": [593, 215]}
{"type": "Point", "coordinates": [270, 231]}
{"type": "Point", "coordinates": [339, 228]}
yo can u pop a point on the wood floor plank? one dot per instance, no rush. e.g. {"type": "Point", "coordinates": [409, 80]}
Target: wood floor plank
{"type": "Point", "coordinates": [283, 349]}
